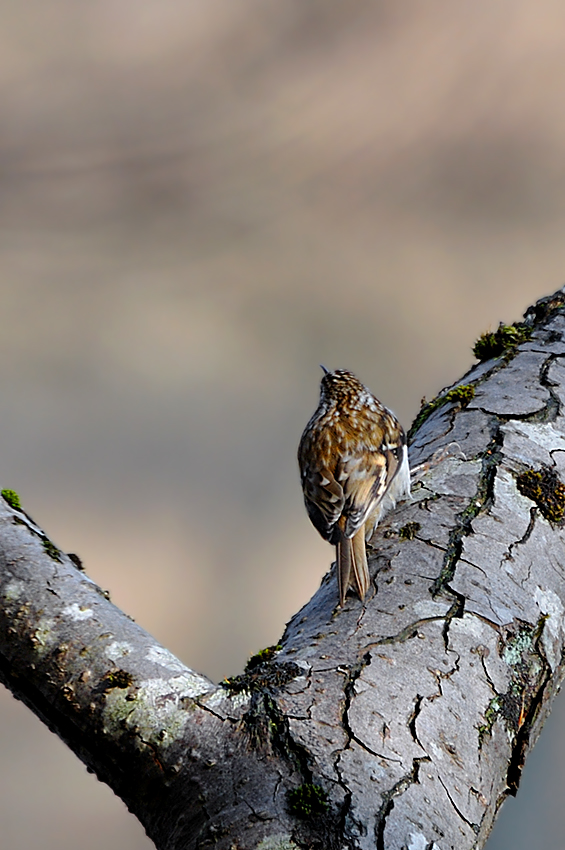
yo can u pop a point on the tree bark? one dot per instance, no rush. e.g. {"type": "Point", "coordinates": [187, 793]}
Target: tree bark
{"type": "Point", "coordinates": [399, 723]}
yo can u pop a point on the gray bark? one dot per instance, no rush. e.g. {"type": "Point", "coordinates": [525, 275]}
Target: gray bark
{"type": "Point", "coordinates": [413, 712]}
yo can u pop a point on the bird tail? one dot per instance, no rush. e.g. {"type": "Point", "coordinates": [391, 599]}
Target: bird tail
{"type": "Point", "coordinates": [352, 565]}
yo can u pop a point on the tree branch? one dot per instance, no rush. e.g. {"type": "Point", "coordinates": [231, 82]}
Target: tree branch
{"type": "Point", "coordinates": [403, 722]}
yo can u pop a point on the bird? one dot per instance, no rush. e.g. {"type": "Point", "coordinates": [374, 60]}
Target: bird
{"type": "Point", "coordinates": [353, 462]}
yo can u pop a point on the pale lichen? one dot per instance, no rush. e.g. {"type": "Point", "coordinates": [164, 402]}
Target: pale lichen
{"type": "Point", "coordinates": [156, 712]}
{"type": "Point", "coordinates": [165, 658]}
{"type": "Point", "coordinates": [515, 649]}
{"type": "Point", "coordinates": [277, 842]}
{"type": "Point", "coordinates": [77, 612]}
{"type": "Point", "coordinates": [418, 841]}
{"type": "Point", "coordinates": [13, 590]}
{"type": "Point", "coordinates": [43, 637]}
{"type": "Point", "coordinates": [118, 649]}
{"type": "Point", "coordinates": [219, 699]}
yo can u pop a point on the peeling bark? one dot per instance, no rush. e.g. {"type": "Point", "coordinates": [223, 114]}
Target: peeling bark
{"type": "Point", "coordinates": [403, 722]}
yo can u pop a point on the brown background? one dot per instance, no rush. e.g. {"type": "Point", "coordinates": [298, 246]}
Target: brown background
{"type": "Point", "coordinates": [199, 203]}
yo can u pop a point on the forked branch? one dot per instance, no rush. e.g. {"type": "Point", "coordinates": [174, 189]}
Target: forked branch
{"type": "Point", "coordinates": [400, 722]}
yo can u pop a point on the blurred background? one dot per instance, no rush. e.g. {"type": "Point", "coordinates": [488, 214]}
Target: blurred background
{"type": "Point", "coordinates": [199, 203]}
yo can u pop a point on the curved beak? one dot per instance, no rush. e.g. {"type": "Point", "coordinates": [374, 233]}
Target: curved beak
{"type": "Point", "coordinates": [326, 371]}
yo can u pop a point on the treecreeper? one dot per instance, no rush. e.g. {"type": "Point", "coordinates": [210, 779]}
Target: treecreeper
{"type": "Point", "coordinates": [353, 462]}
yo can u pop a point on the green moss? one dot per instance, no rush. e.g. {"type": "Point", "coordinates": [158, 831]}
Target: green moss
{"type": "Point", "coordinates": [12, 498]}
{"type": "Point", "coordinates": [114, 679]}
{"type": "Point", "coordinates": [262, 676]}
{"type": "Point", "coordinates": [263, 724]}
{"type": "Point", "coordinates": [51, 550]}
{"type": "Point", "coordinates": [409, 531]}
{"type": "Point", "coordinates": [263, 673]}
{"type": "Point", "coordinates": [545, 488]}
{"type": "Point", "coordinates": [546, 307]}
{"type": "Point", "coordinates": [307, 801]}
{"type": "Point", "coordinates": [506, 338]}
{"type": "Point", "coordinates": [491, 714]}
{"type": "Point", "coordinates": [262, 657]}
{"type": "Point", "coordinates": [461, 395]}
{"type": "Point", "coordinates": [518, 707]}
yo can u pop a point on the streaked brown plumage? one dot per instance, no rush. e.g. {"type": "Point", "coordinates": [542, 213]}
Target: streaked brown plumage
{"type": "Point", "coordinates": [354, 467]}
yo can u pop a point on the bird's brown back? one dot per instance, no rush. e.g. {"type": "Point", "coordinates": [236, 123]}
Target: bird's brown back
{"type": "Point", "coordinates": [348, 455]}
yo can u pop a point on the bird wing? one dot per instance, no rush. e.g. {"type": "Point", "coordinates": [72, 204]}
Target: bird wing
{"type": "Point", "coordinates": [365, 478]}
{"type": "Point", "coordinates": [324, 500]}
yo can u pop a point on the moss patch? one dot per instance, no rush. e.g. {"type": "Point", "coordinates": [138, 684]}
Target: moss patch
{"type": "Point", "coordinates": [264, 677]}
{"type": "Point", "coordinates": [491, 714]}
{"type": "Point", "coordinates": [518, 707]}
{"type": "Point", "coordinates": [114, 679]}
{"type": "Point", "coordinates": [545, 488]}
{"type": "Point", "coordinates": [409, 531]}
{"type": "Point", "coordinates": [506, 338]}
{"type": "Point", "coordinates": [51, 550]}
{"type": "Point", "coordinates": [12, 498]}
{"type": "Point", "coordinates": [262, 673]}
{"type": "Point", "coordinates": [461, 395]}
{"type": "Point", "coordinates": [545, 307]}
{"type": "Point", "coordinates": [307, 801]}
{"type": "Point", "coordinates": [263, 656]}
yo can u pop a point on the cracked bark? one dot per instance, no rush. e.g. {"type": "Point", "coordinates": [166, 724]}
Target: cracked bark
{"type": "Point", "coordinates": [414, 712]}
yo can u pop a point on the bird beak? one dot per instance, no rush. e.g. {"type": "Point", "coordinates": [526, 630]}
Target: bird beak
{"type": "Point", "coordinates": [326, 371]}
